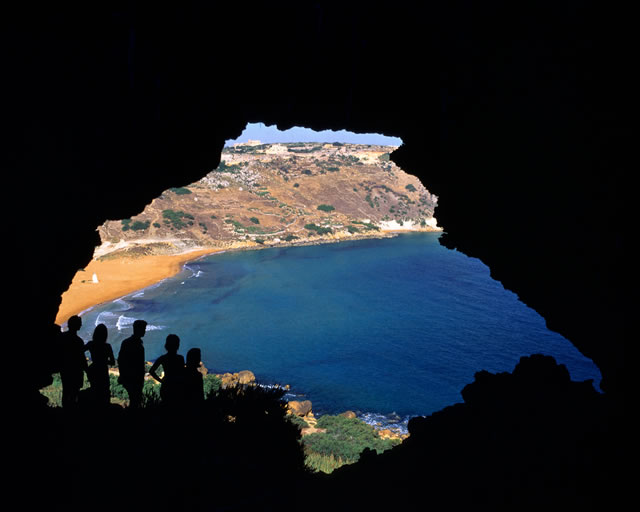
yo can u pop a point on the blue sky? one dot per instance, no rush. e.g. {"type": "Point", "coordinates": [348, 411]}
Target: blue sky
{"type": "Point", "coordinates": [270, 134]}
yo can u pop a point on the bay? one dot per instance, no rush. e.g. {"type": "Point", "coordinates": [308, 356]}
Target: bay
{"type": "Point", "coordinates": [390, 328]}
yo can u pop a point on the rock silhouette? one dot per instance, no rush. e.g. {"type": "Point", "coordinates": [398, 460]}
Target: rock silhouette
{"type": "Point", "coordinates": [241, 445]}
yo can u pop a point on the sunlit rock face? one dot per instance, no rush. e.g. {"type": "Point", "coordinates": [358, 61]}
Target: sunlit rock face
{"type": "Point", "coordinates": [511, 127]}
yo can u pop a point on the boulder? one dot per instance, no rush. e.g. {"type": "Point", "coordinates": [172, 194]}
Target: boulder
{"type": "Point", "coordinates": [229, 380]}
{"type": "Point", "coordinates": [299, 408]}
{"type": "Point", "coordinates": [390, 434]}
{"type": "Point", "coordinates": [246, 377]}
{"type": "Point", "coordinates": [348, 414]}
{"type": "Point", "coordinates": [385, 434]}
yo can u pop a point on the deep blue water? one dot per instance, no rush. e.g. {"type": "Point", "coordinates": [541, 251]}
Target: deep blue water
{"type": "Point", "coordinates": [377, 326]}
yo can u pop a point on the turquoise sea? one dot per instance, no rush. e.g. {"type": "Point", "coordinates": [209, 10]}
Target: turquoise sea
{"type": "Point", "coordinates": [389, 328]}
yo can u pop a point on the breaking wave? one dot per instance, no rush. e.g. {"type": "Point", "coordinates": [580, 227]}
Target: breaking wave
{"type": "Point", "coordinates": [119, 321]}
{"type": "Point", "coordinates": [393, 421]}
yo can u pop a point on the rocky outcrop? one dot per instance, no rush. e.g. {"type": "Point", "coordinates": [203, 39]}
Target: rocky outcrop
{"type": "Point", "coordinates": [387, 433]}
{"type": "Point", "coordinates": [299, 408]}
{"type": "Point", "coordinates": [243, 378]}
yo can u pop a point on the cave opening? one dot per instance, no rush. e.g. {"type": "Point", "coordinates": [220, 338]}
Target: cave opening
{"type": "Point", "coordinates": [110, 110]}
{"type": "Point", "coordinates": [329, 321]}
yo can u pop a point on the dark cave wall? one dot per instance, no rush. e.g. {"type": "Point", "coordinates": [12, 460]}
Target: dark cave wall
{"type": "Point", "coordinates": [505, 113]}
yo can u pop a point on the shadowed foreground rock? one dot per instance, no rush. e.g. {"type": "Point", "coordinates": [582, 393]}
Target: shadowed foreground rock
{"type": "Point", "coordinates": [527, 440]}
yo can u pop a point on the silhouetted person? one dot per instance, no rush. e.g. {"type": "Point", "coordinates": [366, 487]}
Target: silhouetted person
{"type": "Point", "coordinates": [73, 363]}
{"type": "Point", "coordinates": [173, 366]}
{"type": "Point", "coordinates": [193, 380]}
{"type": "Point", "coordinates": [101, 358]}
{"type": "Point", "coordinates": [132, 364]}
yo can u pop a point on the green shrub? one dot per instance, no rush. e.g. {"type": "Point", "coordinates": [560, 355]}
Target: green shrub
{"type": "Point", "coordinates": [180, 191]}
{"type": "Point", "coordinates": [326, 208]}
{"type": "Point", "coordinates": [211, 384]}
{"type": "Point", "coordinates": [175, 218]}
{"type": "Point", "coordinates": [140, 225]}
{"type": "Point", "coordinates": [369, 200]}
{"type": "Point", "coordinates": [324, 463]}
{"type": "Point", "coordinates": [298, 421]}
{"type": "Point", "coordinates": [345, 438]}
{"type": "Point", "coordinates": [318, 229]}
{"type": "Point", "coordinates": [367, 225]}
{"type": "Point", "coordinates": [233, 168]}
{"type": "Point", "coordinates": [255, 220]}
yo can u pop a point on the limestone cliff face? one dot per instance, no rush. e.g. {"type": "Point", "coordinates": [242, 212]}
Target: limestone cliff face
{"type": "Point", "coordinates": [268, 193]}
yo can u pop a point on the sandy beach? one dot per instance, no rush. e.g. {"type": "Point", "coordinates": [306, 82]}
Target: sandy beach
{"type": "Point", "coordinates": [119, 277]}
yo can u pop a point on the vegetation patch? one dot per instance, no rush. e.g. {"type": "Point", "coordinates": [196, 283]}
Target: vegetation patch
{"type": "Point", "coordinates": [138, 225]}
{"type": "Point", "coordinates": [318, 229]}
{"type": "Point", "coordinates": [151, 390]}
{"type": "Point", "coordinates": [369, 200]}
{"type": "Point", "coordinates": [232, 169]}
{"type": "Point", "coordinates": [177, 218]}
{"type": "Point", "coordinates": [181, 191]}
{"type": "Point", "coordinates": [326, 208]}
{"type": "Point", "coordinates": [342, 443]}
{"type": "Point", "coordinates": [366, 225]}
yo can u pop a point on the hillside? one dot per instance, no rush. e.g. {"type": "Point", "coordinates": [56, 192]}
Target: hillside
{"type": "Point", "coordinates": [279, 193]}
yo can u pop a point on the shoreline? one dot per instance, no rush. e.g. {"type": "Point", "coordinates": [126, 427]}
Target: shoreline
{"type": "Point", "coordinates": [121, 276]}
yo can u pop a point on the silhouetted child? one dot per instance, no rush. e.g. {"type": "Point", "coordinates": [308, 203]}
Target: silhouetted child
{"type": "Point", "coordinates": [101, 358]}
{"type": "Point", "coordinates": [73, 363]}
{"type": "Point", "coordinates": [131, 364]}
{"type": "Point", "coordinates": [173, 366]}
{"type": "Point", "coordinates": [193, 380]}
